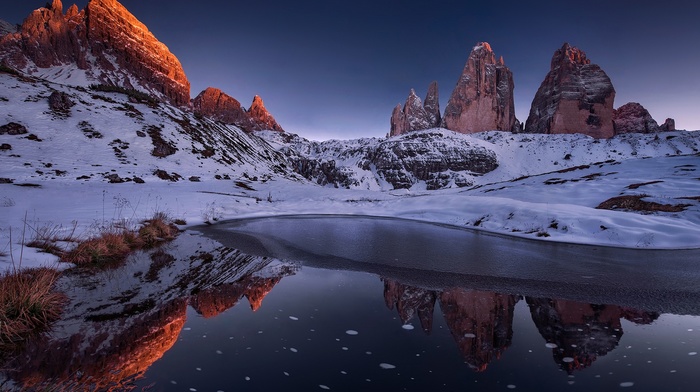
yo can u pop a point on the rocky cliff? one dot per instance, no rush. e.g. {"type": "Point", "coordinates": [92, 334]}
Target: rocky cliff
{"type": "Point", "coordinates": [417, 115]}
{"type": "Point", "coordinates": [7, 28]}
{"type": "Point", "coordinates": [216, 104]}
{"type": "Point", "coordinates": [410, 301]}
{"type": "Point", "coordinates": [633, 117]}
{"type": "Point", "coordinates": [575, 97]}
{"type": "Point", "coordinates": [103, 44]}
{"type": "Point", "coordinates": [434, 159]}
{"type": "Point", "coordinates": [483, 97]}
{"type": "Point", "coordinates": [668, 125]}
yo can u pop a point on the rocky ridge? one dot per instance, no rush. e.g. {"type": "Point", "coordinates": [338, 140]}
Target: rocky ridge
{"type": "Point", "coordinates": [217, 105]}
{"type": "Point", "coordinates": [7, 28]}
{"type": "Point", "coordinates": [103, 43]}
{"type": "Point", "coordinates": [575, 97]}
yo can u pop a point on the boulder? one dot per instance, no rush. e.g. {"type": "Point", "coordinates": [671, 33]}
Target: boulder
{"type": "Point", "coordinates": [60, 102]}
{"type": "Point", "coordinates": [575, 97]}
{"type": "Point", "coordinates": [483, 97]}
{"type": "Point", "coordinates": [633, 118]}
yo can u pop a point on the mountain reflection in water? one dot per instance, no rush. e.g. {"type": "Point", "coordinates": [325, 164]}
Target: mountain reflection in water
{"type": "Point", "coordinates": [121, 322]}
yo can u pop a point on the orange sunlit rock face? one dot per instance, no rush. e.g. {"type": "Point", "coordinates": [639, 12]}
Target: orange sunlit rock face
{"type": "Point", "coordinates": [216, 104]}
{"type": "Point", "coordinates": [106, 360]}
{"type": "Point", "coordinates": [582, 332]}
{"type": "Point", "coordinates": [105, 40]}
{"type": "Point", "coordinates": [481, 323]}
{"type": "Point", "coordinates": [212, 302]}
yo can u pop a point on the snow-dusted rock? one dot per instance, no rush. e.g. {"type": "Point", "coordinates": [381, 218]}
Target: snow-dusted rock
{"type": "Point", "coordinates": [575, 97]}
{"type": "Point", "coordinates": [483, 97]}
{"type": "Point", "coordinates": [435, 158]}
{"type": "Point", "coordinates": [633, 117]}
{"type": "Point", "coordinates": [7, 28]}
{"type": "Point", "coordinates": [416, 115]}
{"type": "Point", "coordinates": [103, 43]}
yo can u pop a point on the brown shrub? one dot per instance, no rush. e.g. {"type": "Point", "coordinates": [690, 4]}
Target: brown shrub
{"type": "Point", "coordinates": [156, 230]}
{"type": "Point", "coordinates": [28, 304]}
{"type": "Point", "coordinates": [108, 248]}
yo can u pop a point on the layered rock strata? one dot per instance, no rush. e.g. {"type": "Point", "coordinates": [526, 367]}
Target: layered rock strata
{"type": "Point", "coordinates": [575, 97]}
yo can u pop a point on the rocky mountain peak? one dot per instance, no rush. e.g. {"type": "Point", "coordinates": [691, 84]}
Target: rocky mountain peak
{"type": "Point", "coordinates": [569, 55]}
{"type": "Point", "coordinates": [261, 117]}
{"type": "Point", "coordinates": [483, 97]}
{"type": "Point", "coordinates": [575, 97]}
{"type": "Point", "coordinates": [216, 104]}
{"type": "Point", "coordinates": [6, 28]}
{"type": "Point", "coordinates": [105, 42]}
{"type": "Point", "coordinates": [416, 115]}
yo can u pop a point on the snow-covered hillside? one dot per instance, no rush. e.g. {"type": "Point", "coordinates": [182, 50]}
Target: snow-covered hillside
{"type": "Point", "coordinates": [112, 156]}
{"type": "Point", "coordinates": [109, 136]}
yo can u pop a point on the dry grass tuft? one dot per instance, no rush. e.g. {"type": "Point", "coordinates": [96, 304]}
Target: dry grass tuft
{"type": "Point", "coordinates": [28, 304]}
{"type": "Point", "coordinates": [113, 246]}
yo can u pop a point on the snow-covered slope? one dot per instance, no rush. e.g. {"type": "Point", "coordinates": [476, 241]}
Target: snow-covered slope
{"type": "Point", "coordinates": [113, 137]}
{"type": "Point", "coordinates": [456, 160]}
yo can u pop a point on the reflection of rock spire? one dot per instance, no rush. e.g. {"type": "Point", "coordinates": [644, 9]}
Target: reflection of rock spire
{"type": "Point", "coordinates": [582, 332]}
{"type": "Point", "coordinates": [258, 288]}
{"type": "Point", "coordinates": [410, 301]}
{"type": "Point", "coordinates": [481, 323]}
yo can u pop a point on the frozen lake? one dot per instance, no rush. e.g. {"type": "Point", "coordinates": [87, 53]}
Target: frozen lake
{"type": "Point", "coordinates": [359, 303]}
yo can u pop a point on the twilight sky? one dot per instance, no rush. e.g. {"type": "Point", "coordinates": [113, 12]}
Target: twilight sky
{"type": "Point", "coordinates": [335, 69]}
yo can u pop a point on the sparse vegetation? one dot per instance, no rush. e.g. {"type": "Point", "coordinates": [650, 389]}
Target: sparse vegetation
{"type": "Point", "coordinates": [28, 304]}
{"type": "Point", "coordinates": [113, 245]}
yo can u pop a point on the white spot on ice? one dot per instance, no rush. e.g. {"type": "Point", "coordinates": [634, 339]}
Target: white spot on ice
{"type": "Point", "coordinates": [344, 348]}
{"type": "Point", "coordinates": [219, 352]}
{"type": "Point", "coordinates": [247, 378]}
{"type": "Point", "coordinates": [292, 349]}
{"type": "Point", "coordinates": [293, 318]}
{"type": "Point", "coordinates": [407, 327]}
{"type": "Point", "coordinates": [567, 359]}
{"type": "Point", "coordinates": [511, 386]}
{"type": "Point", "coordinates": [469, 335]}
{"type": "Point", "coordinates": [187, 329]}
{"type": "Point", "coordinates": [343, 372]}
{"type": "Point", "coordinates": [368, 352]}
{"type": "Point", "coordinates": [351, 332]}
{"type": "Point", "coordinates": [551, 345]}
{"type": "Point", "coordinates": [323, 386]}
{"type": "Point", "coordinates": [193, 390]}
{"type": "Point", "coordinates": [173, 382]}
{"type": "Point", "coordinates": [626, 384]}
{"type": "Point", "coordinates": [286, 374]}
{"type": "Point", "coordinates": [692, 353]}
{"type": "Point", "coordinates": [386, 366]}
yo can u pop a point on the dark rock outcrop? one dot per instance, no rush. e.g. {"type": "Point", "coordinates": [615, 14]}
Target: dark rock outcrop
{"type": "Point", "coordinates": [633, 118]}
{"type": "Point", "coordinates": [416, 115]}
{"type": "Point", "coordinates": [216, 104]}
{"type": "Point", "coordinates": [575, 97]}
{"type": "Point", "coordinates": [483, 97]}
{"type": "Point", "coordinates": [60, 102]}
{"type": "Point", "coordinates": [105, 41]}
{"type": "Point", "coordinates": [481, 323]}
{"type": "Point", "coordinates": [13, 128]}
{"type": "Point", "coordinates": [668, 125]}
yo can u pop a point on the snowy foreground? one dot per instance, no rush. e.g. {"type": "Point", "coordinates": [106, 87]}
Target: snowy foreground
{"type": "Point", "coordinates": [56, 177]}
{"type": "Point", "coordinates": [526, 208]}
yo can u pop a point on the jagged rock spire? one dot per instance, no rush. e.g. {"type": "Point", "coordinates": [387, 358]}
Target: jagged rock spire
{"type": "Point", "coordinates": [483, 97]}
{"type": "Point", "coordinates": [415, 114]}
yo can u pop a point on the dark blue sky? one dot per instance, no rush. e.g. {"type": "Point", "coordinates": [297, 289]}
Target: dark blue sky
{"type": "Point", "coordinates": [334, 69]}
